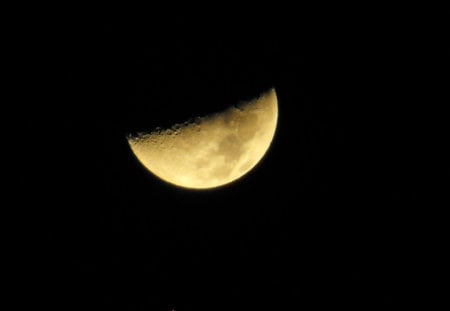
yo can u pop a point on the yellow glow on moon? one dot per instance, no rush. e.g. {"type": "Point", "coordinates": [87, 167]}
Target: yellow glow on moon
{"type": "Point", "coordinates": [210, 151]}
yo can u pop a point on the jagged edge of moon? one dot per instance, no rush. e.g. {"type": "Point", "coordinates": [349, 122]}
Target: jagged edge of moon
{"type": "Point", "coordinates": [194, 121]}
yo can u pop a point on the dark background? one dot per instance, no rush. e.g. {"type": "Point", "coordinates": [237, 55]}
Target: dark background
{"type": "Point", "coordinates": [320, 222]}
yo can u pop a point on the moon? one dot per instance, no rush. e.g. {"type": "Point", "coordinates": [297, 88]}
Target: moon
{"type": "Point", "coordinates": [210, 151]}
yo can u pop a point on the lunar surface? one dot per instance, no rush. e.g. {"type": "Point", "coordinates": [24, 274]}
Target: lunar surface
{"type": "Point", "coordinates": [210, 151]}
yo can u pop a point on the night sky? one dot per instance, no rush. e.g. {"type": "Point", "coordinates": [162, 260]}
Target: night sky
{"type": "Point", "coordinates": [316, 224]}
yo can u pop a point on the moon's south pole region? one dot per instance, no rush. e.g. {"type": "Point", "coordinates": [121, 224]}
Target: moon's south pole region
{"type": "Point", "coordinates": [213, 150]}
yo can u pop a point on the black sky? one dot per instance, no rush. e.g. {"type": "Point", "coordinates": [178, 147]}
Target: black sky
{"type": "Point", "coordinates": [316, 224]}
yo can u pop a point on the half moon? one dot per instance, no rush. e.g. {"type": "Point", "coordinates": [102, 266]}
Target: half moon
{"type": "Point", "coordinates": [210, 151]}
